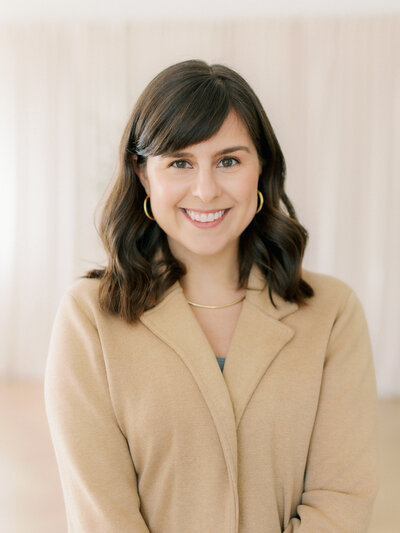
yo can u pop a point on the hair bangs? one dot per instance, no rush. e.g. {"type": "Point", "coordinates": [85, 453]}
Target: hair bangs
{"type": "Point", "coordinates": [191, 116]}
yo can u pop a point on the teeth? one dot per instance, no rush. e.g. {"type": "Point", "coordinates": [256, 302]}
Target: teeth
{"type": "Point", "coordinates": [203, 217]}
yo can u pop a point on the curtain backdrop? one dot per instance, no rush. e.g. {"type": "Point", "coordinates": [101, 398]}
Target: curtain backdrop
{"type": "Point", "coordinates": [331, 88]}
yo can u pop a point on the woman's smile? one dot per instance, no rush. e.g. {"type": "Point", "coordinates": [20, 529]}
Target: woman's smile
{"type": "Point", "coordinates": [205, 219]}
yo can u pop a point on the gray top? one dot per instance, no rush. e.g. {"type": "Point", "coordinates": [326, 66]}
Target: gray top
{"type": "Point", "coordinates": [221, 362]}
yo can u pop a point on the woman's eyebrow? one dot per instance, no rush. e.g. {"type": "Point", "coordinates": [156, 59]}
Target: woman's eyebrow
{"type": "Point", "coordinates": [221, 152]}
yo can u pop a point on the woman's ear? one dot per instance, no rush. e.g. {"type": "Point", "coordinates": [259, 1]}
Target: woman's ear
{"type": "Point", "coordinates": [141, 173]}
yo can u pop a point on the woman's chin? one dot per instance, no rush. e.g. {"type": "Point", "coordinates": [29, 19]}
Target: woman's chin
{"type": "Point", "coordinates": [199, 248]}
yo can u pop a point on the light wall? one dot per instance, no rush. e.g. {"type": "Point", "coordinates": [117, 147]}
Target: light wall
{"type": "Point", "coordinates": [173, 9]}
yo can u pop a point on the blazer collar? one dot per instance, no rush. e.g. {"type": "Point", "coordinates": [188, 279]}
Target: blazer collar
{"type": "Point", "coordinates": [258, 338]}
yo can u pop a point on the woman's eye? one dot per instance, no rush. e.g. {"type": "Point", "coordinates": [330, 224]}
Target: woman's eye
{"type": "Point", "coordinates": [228, 162]}
{"type": "Point", "coordinates": [180, 163]}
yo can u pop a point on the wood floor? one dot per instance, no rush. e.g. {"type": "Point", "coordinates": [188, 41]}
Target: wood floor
{"type": "Point", "coordinates": [30, 494]}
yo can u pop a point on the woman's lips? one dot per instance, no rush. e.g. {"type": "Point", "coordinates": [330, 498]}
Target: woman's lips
{"type": "Point", "coordinates": [205, 225]}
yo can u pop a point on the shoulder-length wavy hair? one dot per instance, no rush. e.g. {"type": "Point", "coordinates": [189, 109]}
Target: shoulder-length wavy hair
{"type": "Point", "coordinates": [185, 104]}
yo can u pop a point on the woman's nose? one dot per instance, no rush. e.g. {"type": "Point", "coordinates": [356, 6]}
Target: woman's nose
{"type": "Point", "coordinates": [206, 186]}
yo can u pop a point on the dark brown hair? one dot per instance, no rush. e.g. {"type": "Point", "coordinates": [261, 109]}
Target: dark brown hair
{"type": "Point", "coordinates": [183, 105]}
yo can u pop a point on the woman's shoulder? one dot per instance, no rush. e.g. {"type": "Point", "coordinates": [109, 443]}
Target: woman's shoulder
{"type": "Point", "coordinates": [83, 294]}
{"type": "Point", "coordinates": [325, 282]}
{"type": "Point", "coordinates": [329, 291]}
{"type": "Point", "coordinates": [84, 289]}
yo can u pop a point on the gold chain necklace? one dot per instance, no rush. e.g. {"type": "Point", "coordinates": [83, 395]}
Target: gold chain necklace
{"type": "Point", "coordinates": [217, 306]}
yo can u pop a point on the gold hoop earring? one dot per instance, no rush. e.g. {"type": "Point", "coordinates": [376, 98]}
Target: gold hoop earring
{"type": "Point", "coordinates": [261, 201]}
{"type": "Point", "coordinates": [145, 208]}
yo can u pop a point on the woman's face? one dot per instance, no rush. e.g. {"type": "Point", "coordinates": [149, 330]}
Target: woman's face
{"type": "Point", "coordinates": [200, 181]}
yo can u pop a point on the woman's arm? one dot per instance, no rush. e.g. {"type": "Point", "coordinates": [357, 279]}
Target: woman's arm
{"type": "Point", "coordinates": [96, 469]}
{"type": "Point", "coordinates": [341, 479]}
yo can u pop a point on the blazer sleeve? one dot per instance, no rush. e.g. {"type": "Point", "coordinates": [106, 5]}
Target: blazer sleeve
{"type": "Point", "coordinates": [341, 479]}
{"type": "Point", "coordinates": [97, 474]}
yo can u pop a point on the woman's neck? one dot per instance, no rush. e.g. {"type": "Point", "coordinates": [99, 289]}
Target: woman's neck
{"type": "Point", "coordinates": [211, 280]}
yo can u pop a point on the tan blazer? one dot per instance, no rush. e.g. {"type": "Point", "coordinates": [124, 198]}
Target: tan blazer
{"type": "Point", "coordinates": [150, 435]}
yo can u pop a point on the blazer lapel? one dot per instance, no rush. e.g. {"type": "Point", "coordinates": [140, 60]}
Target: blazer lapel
{"type": "Point", "coordinates": [258, 338]}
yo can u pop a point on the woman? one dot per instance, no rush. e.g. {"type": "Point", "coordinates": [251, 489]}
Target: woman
{"type": "Point", "coordinates": [203, 381]}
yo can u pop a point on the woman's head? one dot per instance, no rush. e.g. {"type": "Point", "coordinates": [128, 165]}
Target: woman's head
{"type": "Point", "coordinates": [187, 103]}
{"type": "Point", "coordinates": [206, 108]}
{"type": "Point", "coordinates": [188, 188]}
